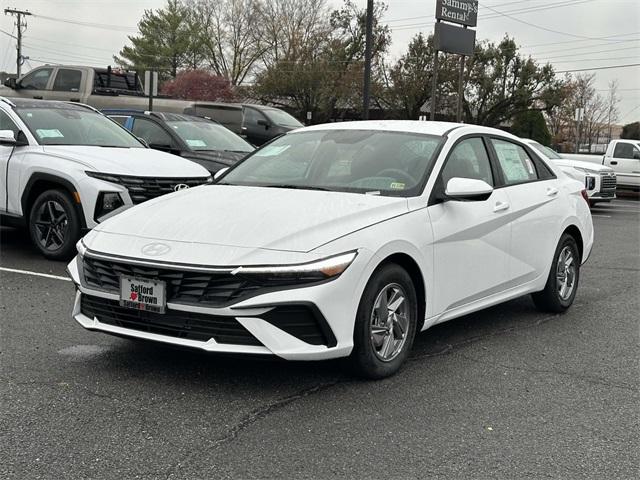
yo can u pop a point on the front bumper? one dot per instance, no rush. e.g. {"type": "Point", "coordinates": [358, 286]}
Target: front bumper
{"type": "Point", "coordinates": [258, 323]}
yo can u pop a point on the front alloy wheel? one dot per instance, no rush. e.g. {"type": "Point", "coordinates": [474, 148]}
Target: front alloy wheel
{"type": "Point", "coordinates": [54, 224]}
{"type": "Point", "coordinates": [389, 322]}
{"type": "Point", "coordinates": [385, 323]}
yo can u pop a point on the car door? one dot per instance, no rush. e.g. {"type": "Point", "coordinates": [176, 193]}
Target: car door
{"type": "Point", "coordinates": [534, 195]}
{"type": "Point", "coordinates": [66, 85]}
{"type": "Point", "coordinates": [471, 238]}
{"type": "Point", "coordinates": [8, 154]}
{"type": "Point", "coordinates": [255, 126]}
{"type": "Point", "coordinates": [626, 163]}
{"type": "Point", "coordinates": [36, 84]}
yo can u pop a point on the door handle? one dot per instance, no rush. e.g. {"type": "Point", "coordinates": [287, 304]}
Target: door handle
{"type": "Point", "coordinates": [500, 206]}
{"type": "Point", "coordinates": [552, 192]}
{"type": "Point", "coordinates": [37, 97]}
{"type": "Point", "coordinates": [613, 162]}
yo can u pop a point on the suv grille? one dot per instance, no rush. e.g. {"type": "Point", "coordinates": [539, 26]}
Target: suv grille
{"type": "Point", "coordinates": [142, 189]}
{"type": "Point", "coordinates": [173, 323]}
{"type": "Point", "coordinates": [608, 182]}
{"type": "Point", "coordinates": [214, 289]}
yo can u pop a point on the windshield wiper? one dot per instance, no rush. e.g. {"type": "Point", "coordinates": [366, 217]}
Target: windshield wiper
{"type": "Point", "coordinates": [296, 187]}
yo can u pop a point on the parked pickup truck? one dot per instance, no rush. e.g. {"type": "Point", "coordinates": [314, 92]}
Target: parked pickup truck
{"type": "Point", "coordinates": [65, 168]}
{"type": "Point", "coordinates": [107, 88]}
{"type": "Point", "coordinates": [623, 156]}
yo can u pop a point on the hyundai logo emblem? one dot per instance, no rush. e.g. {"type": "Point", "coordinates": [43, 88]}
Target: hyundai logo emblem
{"type": "Point", "coordinates": [180, 186]}
{"type": "Point", "coordinates": [155, 249]}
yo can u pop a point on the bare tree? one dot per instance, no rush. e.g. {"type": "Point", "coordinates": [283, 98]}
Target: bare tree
{"type": "Point", "coordinates": [613, 101]}
{"type": "Point", "coordinates": [227, 36]}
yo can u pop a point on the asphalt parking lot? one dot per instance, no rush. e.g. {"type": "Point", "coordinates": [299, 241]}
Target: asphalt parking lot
{"type": "Point", "coordinates": [503, 393]}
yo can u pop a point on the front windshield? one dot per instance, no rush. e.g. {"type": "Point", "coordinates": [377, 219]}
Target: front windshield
{"type": "Point", "coordinates": [75, 126]}
{"type": "Point", "coordinates": [209, 136]}
{"type": "Point", "coordinates": [360, 161]}
{"type": "Point", "coordinates": [280, 117]}
{"type": "Point", "coordinates": [546, 151]}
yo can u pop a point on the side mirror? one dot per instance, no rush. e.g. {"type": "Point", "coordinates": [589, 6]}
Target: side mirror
{"type": "Point", "coordinates": [7, 138]}
{"type": "Point", "coordinates": [264, 123]}
{"type": "Point", "coordinates": [220, 173]}
{"type": "Point", "coordinates": [11, 83]}
{"type": "Point", "coordinates": [636, 155]}
{"type": "Point", "coordinates": [468, 189]}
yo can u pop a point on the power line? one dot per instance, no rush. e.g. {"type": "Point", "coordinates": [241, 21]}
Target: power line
{"type": "Point", "coordinates": [90, 24]}
{"type": "Point", "coordinates": [607, 37]}
{"type": "Point", "coordinates": [540, 27]}
{"type": "Point", "coordinates": [600, 68]}
{"type": "Point", "coordinates": [499, 14]}
{"type": "Point", "coordinates": [586, 53]}
{"type": "Point", "coordinates": [586, 47]}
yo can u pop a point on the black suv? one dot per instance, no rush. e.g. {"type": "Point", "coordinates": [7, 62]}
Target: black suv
{"type": "Point", "coordinates": [199, 139]}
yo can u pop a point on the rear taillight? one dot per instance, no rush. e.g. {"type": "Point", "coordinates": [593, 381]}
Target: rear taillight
{"type": "Point", "coordinates": [585, 195]}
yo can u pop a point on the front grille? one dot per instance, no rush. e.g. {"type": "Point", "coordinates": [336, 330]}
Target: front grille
{"type": "Point", "coordinates": [213, 289]}
{"type": "Point", "coordinates": [173, 323]}
{"type": "Point", "coordinates": [607, 182]}
{"type": "Point", "coordinates": [142, 189]}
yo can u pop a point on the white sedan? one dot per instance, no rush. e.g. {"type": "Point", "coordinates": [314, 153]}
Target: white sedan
{"type": "Point", "coordinates": [340, 240]}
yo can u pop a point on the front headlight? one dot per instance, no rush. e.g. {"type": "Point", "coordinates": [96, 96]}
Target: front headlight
{"type": "Point", "coordinates": [318, 270]}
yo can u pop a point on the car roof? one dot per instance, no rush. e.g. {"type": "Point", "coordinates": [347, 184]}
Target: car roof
{"type": "Point", "coordinates": [166, 116]}
{"type": "Point", "coordinates": [408, 126]}
{"type": "Point", "coordinates": [18, 102]}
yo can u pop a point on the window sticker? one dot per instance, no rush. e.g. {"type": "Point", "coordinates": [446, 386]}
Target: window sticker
{"type": "Point", "coordinates": [272, 150]}
{"type": "Point", "coordinates": [49, 133]}
{"type": "Point", "coordinates": [511, 163]}
{"type": "Point", "coordinates": [195, 143]}
{"type": "Point", "coordinates": [397, 186]}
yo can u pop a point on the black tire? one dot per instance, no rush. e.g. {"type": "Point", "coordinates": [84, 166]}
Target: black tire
{"type": "Point", "coordinates": [54, 237]}
{"type": "Point", "coordinates": [551, 299]}
{"type": "Point", "coordinates": [365, 359]}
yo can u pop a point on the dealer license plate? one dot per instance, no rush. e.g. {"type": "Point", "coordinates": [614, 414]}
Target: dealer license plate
{"type": "Point", "coordinates": [143, 294]}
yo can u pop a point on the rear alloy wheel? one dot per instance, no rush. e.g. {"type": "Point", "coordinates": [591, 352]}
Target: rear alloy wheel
{"type": "Point", "coordinates": [385, 323]}
{"type": "Point", "coordinates": [54, 225]}
{"type": "Point", "coordinates": [562, 283]}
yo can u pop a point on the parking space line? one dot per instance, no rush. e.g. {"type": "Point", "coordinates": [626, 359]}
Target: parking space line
{"type": "Point", "coordinates": [35, 274]}
{"type": "Point", "coordinates": [601, 216]}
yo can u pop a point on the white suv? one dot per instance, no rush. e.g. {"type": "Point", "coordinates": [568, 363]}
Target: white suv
{"type": "Point", "coordinates": [65, 167]}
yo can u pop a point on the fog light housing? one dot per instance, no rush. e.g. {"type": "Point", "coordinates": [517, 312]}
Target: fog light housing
{"type": "Point", "coordinates": [108, 202]}
{"type": "Point", "coordinates": [590, 183]}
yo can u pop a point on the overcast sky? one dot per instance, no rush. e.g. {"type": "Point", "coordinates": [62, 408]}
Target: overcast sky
{"type": "Point", "coordinates": [571, 34]}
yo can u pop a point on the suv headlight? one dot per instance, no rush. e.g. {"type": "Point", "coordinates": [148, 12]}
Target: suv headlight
{"type": "Point", "coordinates": [318, 270]}
{"type": "Point", "coordinates": [108, 202]}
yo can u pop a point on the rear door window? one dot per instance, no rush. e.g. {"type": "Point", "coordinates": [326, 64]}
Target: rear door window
{"type": "Point", "coordinates": [67, 80]}
{"type": "Point", "coordinates": [515, 163]}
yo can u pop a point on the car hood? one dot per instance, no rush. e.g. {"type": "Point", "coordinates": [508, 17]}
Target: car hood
{"type": "Point", "coordinates": [577, 163]}
{"type": "Point", "coordinates": [128, 161]}
{"type": "Point", "coordinates": [251, 217]}
{"type": "Point", "coordinates": [216, 156]}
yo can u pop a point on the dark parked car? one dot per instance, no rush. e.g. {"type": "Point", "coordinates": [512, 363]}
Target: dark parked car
{"type": "Point", "coordinates": [199, 139]}
{"type": "Point", "coordinates": [257, 123]}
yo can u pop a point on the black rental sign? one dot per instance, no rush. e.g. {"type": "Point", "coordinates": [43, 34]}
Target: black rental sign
{"type": "Point", "coordinates": [463, 12]}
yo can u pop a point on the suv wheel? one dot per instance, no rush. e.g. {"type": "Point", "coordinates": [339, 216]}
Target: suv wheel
{"type": "Point", "coordinates": [54, 225]}
{"type": "Point", "coordinates": [385, 323]}
{"type": "Point", "coordinates": [562, 283]}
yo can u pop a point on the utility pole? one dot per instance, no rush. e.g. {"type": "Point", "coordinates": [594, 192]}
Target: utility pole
{"type": "Point", "coordinates": [366, 94]}
{"type": "Point", "coordinates": [20, 23]}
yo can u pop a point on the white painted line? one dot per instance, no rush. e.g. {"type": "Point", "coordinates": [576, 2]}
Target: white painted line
{"type": "Point", "coordinates": [35, 274]}
{"type": "Point", "coordinates": [601, 216]}
{"type": "Point", "coordinates": [606, 210]}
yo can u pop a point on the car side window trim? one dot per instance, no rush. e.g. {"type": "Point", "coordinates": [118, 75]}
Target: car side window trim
{"type": "Point", "coordinates": [494, 155]}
